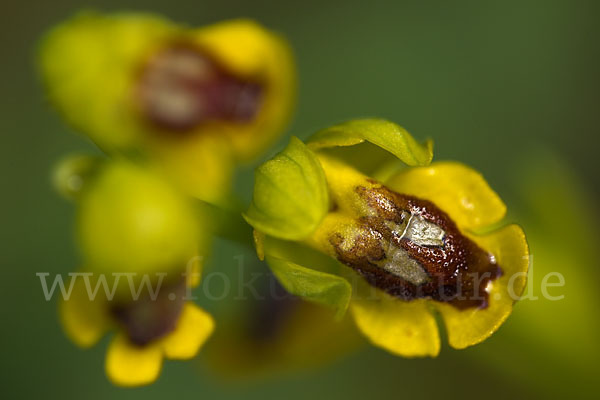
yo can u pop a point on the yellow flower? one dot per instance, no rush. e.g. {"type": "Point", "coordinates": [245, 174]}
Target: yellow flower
{"type": "Point", "coordinates": [172, 329]}
{"type": "Point", "coordinates": [277, 333]}
{"type": "Point", "coordinates": [560, 293]}
{"type": "Point", "coordinates": [395, 245]}
{"type": "Point", "coordinates": [195, 100]}
{"type": "Point", "coordinates": [140, 241]}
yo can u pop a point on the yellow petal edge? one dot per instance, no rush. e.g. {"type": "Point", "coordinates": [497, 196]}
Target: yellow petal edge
{"type": "Point", "coordinates": [130, 365]}
{"type": "Point", "coordinates": [457, 189]}
{"type": "Point", "coordinates": [468, 327]}
{"type": "Point", "coordinates": [407, 329]}
{"type": "Point", "coordinates": [83, 320]}
{"type": "Point", "coordinates": [193, 329]}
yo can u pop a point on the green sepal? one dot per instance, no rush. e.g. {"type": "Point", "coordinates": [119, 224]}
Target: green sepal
{"type": "Point", "coordinates": [384, 134]}
{"type": "Point", "coordinates": [90, 64]}
{"type": "Point", "coordinates": [320, 287]}
{"type": "Point", "coordinates": [130, 219]}
{"type": "Point", "coordinates": [290, 194]}
{"type": "Point", "coordinates": [309, 274]}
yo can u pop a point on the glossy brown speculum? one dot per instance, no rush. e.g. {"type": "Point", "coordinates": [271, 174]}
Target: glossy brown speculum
{"type": "Point", "coordinates": [411, 249]}
{"type": "Point", "coordinates": [182, 87]}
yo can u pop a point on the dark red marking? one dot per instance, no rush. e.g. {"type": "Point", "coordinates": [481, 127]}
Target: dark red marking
{"type": "Point", "coordinates": [145, 320]}
{"type": "Point", "coordinates": [459, 270]}
{"type": "Point", "coordinates": [181, 87]}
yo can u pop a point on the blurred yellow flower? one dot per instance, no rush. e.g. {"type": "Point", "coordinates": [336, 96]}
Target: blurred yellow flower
{"type": "Point", "coordinates": [148, 330]}
{"type": "Point", "coordinates": [417, 241]}
{"type": "Point", "coordinates": [141, 241]}
{"type": "Point", "coordinates": [196, 100]}
{"type": "Point", "coordinates": [279, 333]}
{"type": "Point", "coordinates": [551, 343]}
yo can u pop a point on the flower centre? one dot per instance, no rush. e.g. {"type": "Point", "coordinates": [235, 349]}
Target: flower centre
{"type": "Point", "coordinates": [181, 87]}
{"type": "Point", "coordinates": [151, 316]}
{"type": "Point", "coordinates": [411, 249]}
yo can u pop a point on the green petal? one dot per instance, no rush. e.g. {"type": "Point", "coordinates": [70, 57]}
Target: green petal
{"type": "Point", "coordinates": [320, 287]}
{"type": "Point", "coordinates": [308, 273]}
{"type": "Point", "coordinates": [382, 133]}
{"type": "Point", "coordinates": [290, 194]}
{"type": "Point", "coordinates": [299, 253]}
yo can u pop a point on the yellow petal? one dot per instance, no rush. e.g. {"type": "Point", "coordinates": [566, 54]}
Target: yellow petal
{"type": "Point", "coordinates": [342, 180]}
{"type": "Point", "coordinates": [407, 329]}
{"type": "Point", "coordinates": [468, 327]}
{"type": "Point", "coordinates": [457, 189]}
{"type": "Point", "coordinates": [201, 164]}
{"type": "Point", "coordinates": [130, 365]}
{"type": "Point", "coordinates": [193, 328]}
{"type": "Point", "coordinates": [193, 273]}
{"type": "Point", "coordinates": [83, 320]}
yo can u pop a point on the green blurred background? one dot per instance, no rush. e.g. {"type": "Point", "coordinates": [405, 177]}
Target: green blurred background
{"type": "Point", "coordinates": [509, 87]}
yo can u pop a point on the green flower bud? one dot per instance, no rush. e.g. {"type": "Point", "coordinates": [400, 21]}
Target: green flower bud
{"type": "Point", "coordinates": [130, 220]}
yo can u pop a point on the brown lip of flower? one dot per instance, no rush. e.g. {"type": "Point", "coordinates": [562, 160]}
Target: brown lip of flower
{"type": "Point", "coordinates": [411, 249]}
{"type": "Point", "coordinates": [182, 87]}
{"type": "Point", "coordinates": [147, 319]}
